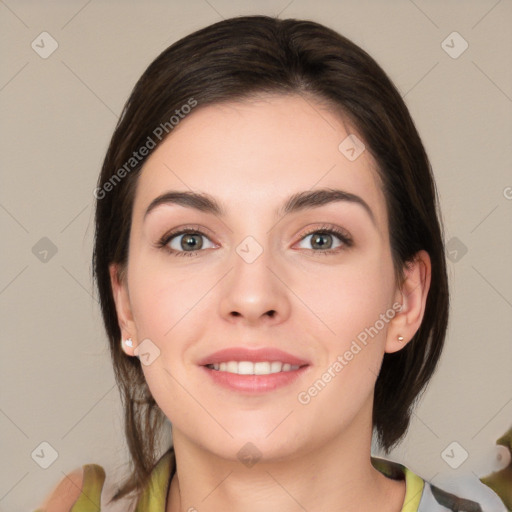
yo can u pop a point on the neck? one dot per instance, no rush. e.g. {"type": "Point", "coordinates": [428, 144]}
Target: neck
{"type": "Point", "coordinates": [335, 476]}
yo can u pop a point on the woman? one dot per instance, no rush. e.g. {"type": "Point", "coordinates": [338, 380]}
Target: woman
{"type": "Point", "coordinates": [271, 272]}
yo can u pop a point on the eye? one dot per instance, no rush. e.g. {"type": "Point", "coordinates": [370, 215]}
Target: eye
{"type": "Point", "coordinates": [327, 239]}
{"type": "Point", "coordinates": [189, 241]}
{"type": "Point", "coordinates": [186, 242]}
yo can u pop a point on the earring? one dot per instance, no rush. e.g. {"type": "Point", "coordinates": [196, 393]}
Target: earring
{"type": "Point", "coordinates": [400, 339]}
{"type": "Point", "coordinates": [128, 342]}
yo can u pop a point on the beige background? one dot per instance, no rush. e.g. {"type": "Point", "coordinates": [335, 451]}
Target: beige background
{"type": "Point", "coordinates": [58, 114]}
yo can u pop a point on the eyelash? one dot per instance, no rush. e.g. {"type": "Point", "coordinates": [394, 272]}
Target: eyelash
{"type": "Point", "coordinates": [191, 230]}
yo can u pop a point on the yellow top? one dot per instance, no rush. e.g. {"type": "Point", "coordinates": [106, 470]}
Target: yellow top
{"type": "Point", "coordinates": [153, 499]}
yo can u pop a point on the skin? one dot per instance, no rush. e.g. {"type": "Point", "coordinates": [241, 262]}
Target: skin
{"type": "Point", "coordinates": [251, 156]}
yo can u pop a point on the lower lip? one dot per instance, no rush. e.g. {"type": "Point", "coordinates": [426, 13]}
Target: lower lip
{"type": "Point", "coordinates": [254, 383]}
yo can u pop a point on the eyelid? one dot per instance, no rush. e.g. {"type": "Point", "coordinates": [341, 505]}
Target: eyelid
{"type": "Point", "coordinates": [187, 228]}
{"type": "Point", "coordinates": [324, 228]}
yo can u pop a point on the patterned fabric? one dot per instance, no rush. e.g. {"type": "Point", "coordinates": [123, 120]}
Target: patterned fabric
{"type": "Point", "coordinates": [420, 496]}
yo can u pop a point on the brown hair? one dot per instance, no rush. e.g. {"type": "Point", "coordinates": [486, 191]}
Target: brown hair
{"type": "Point", "coordinates": [232, 60]}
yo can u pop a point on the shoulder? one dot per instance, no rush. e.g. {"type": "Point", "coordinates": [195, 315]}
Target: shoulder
{"type": "Point", "coordinates": [464, 492]}
{"type": "Point", "coordinates": [434, 498]}
{"type": "Point", "coordinates": [85, 483]}
{"type": "Point", "coordinates": [422, 495]}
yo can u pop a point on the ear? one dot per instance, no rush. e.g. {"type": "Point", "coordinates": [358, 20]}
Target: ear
{"type": "Point", "coordinates": [119, 285]}
{"type": "Point", "coordinates": [413, 297]}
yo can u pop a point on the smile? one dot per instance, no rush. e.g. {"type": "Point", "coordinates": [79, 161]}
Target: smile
{"type": "Point", "coordinates": [250, 368]}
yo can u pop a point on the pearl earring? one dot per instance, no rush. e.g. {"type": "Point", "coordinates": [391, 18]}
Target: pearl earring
{"type": "Point", "coordinates": [128, 342]}
{"type": "Point", "coordinates": [400, 339]}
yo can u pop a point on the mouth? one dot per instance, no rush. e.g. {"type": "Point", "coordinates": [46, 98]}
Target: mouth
{"type": "Point", "coordinates": [253, 371]}
{"type": "Point", "coordinates": [250, 368]}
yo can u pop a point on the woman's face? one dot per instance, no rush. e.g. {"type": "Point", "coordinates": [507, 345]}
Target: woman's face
{"type": "Point", "coordinates": [261, 275]}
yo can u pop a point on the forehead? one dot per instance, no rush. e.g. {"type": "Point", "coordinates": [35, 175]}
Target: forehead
{"type": "Point", "coordinates": [259, 151]}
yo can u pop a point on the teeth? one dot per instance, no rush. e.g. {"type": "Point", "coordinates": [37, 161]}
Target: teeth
{"type": "Point", "coordinates": [250, 368]}
{"type": "Point", "coordinates": [231, 367]}
{"type": "Point", "coordinates": [245, 368]}
{"type": "Point", "coordinates": [275, 367]}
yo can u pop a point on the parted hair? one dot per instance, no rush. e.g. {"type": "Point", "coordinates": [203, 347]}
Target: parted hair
{"type": "Point", "coordinates": [236, 59]}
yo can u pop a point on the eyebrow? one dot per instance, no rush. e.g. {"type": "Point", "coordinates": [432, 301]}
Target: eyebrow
{"type": "Point", "coordinates": [295, 203]}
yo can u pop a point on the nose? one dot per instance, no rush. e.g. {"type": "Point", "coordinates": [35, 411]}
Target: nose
{"type": "Point", "coordinates": [255, 292]}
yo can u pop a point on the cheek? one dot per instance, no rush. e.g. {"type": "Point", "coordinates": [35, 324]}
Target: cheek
{"type": "Point", "coordinates": [355, 312]}
{"type": "Point", "coordinates": [349, 300]}
{"type": "Point", "coordinates": [164, 308]}
{"type": "Point", "coordinates": [161, 299]}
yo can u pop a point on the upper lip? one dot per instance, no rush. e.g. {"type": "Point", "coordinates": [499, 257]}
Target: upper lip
{"type": "Point", "coordinates": [253, 355]}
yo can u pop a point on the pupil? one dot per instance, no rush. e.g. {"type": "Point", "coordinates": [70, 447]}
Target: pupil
{"type": "Point", "coordinates": [190, 239]}
{"type": "Point", "coordinates": [317, 241]}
